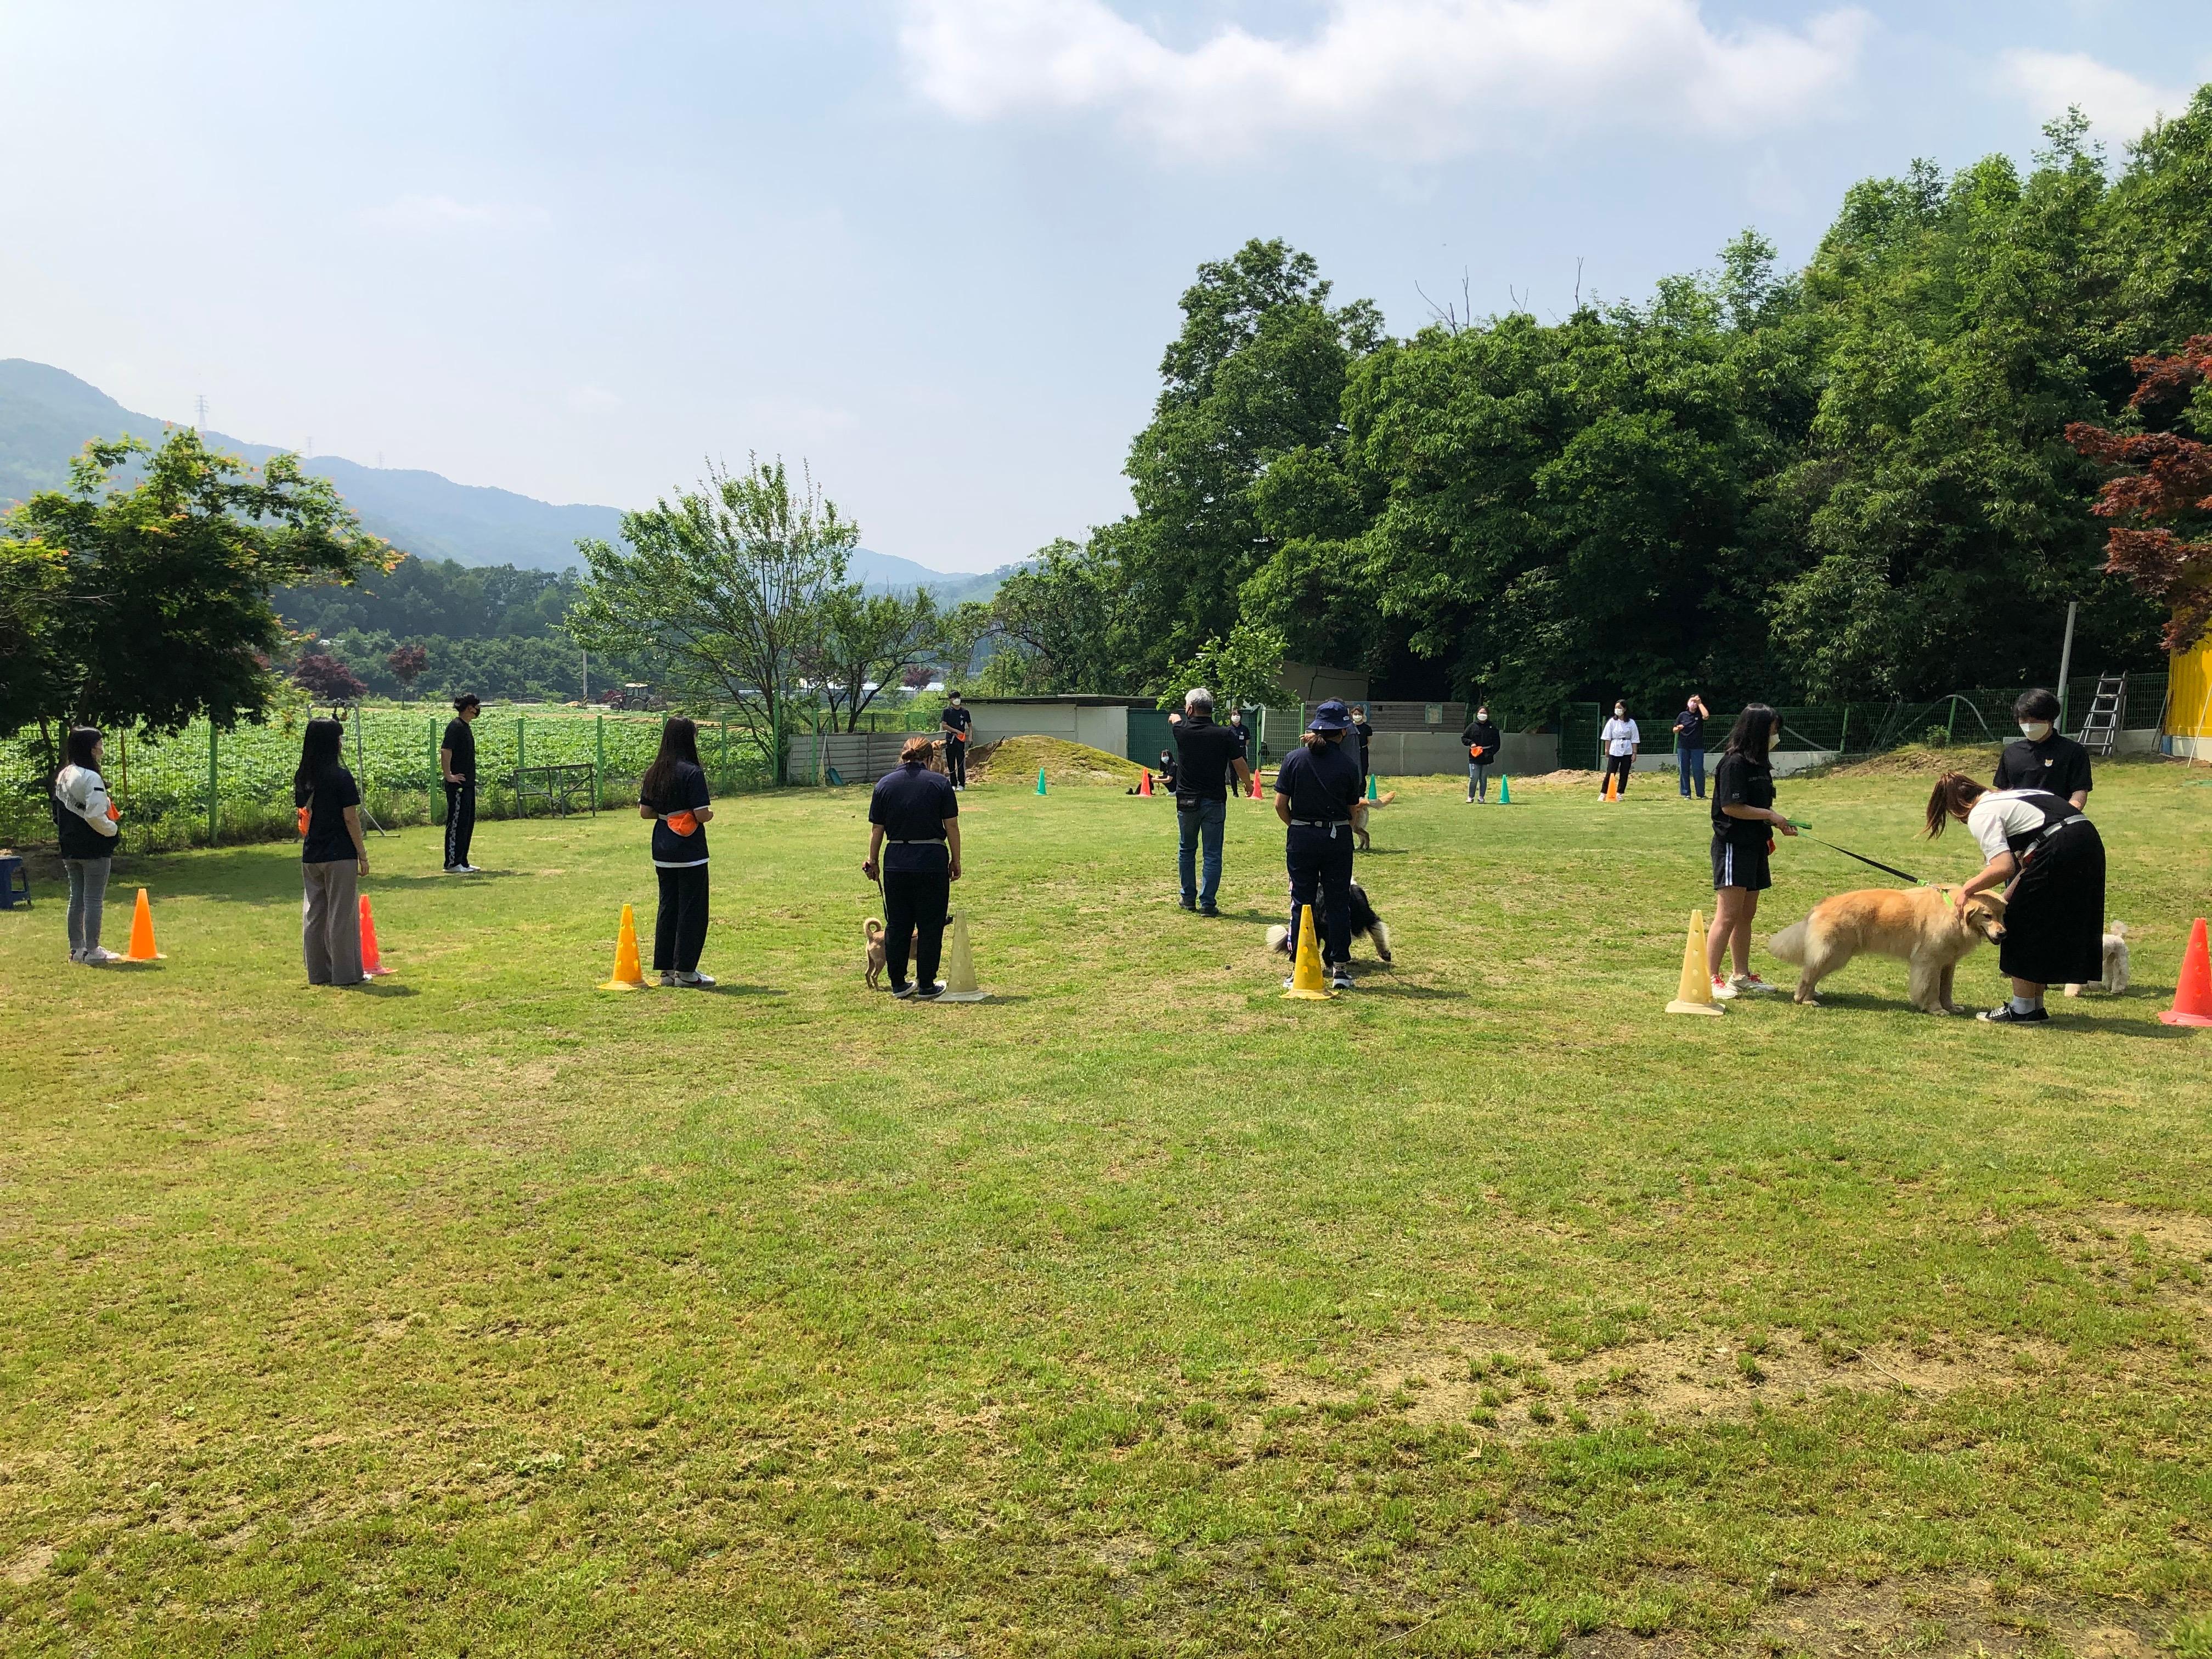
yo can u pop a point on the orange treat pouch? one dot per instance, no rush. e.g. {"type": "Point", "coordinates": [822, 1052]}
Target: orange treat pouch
{"type": "Point", "coordinates": [303, 821]}
{"type": "Point", "coordinates": [685, 823]}
{"type": "Point", "coordinates": [113, 817]}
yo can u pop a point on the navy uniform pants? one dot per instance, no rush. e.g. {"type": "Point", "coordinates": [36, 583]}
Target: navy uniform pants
{"type": "Point", "coordinates": [1321, 875]}
{"type": "Point", "coordinates": [914, 906]}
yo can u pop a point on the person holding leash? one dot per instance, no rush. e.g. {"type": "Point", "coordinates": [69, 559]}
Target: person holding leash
{"type": "Point", "coordinates": [1622, 740]}
{"type": "Point", "coordinates": [956, 722]}
{"type": "Point", "coordinates": [1690, 742]}
{"type": "Point", "coordinates": [2043, 758]}
{"type": "Point", "coordinates": [1744, 824]}
{"type": "Point", "coordinates": [1315, 788]}
{"type": "Point", "coordinates": [86, 823]}
{"type": "Point", "coordinates": [673, 795]}
{"type": "Point", "coordinates": [914, 809]}
{"type": "Point", "coordinates": [457, 760]}
{"type": "Point", "coordinates": [2050, 860]}
{"type": "Point", "coordinates": [1484, 742]}
{"type": "Point", "coordinates": [1209, 757]}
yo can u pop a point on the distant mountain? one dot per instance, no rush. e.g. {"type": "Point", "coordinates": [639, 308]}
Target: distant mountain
{"type": "Point", "coordinates": [46, 414]}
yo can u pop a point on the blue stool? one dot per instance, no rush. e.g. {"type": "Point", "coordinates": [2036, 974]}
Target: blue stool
{"type": "Point", "coordinates": [14, 885]}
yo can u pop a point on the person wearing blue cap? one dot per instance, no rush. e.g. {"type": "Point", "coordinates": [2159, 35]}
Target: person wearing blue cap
{"type": "Point", "coordinates": [1315, 788]}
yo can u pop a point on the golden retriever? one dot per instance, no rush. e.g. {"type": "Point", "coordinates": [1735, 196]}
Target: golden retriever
{"type": "Point", "coordinates": [1922, 926]}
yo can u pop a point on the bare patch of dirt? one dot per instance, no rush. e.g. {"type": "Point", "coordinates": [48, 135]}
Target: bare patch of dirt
{"type": "Point", "coordinates": [1017, 760]}
{"type": "Point", "coordinates": [30, 1564]}
{"type": "Point", "coordinates": [2164, 1253]}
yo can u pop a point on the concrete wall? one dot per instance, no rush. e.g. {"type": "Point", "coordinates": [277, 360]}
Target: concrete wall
{"type": "Point", "coordinates": [1104, 728]}
{"type": "Point", "coordinates": [1422, 754]}
{"type": "Point", "coordinates": [858, 757]}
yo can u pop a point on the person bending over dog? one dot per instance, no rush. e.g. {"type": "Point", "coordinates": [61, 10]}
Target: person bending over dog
{"type": "Point", "coordinates": [913, 849]}
{"type": "Point", "coordinates": [2053, 863]}
{"type": "Point", "coordinates": [1315, 789]}
{"type": "Point", "coordinates": [1744, 820]}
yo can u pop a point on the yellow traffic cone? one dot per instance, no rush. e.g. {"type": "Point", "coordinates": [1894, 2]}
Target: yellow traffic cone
{"type": "Point", "coordinates": [1306, 982]}
{"type": "Point", "coordinates": [1694, 995]}
{"type": "Point", "coordinates": [960, 972]}
{"type": "Point", "coordinates": [628, 974]}
{"type": "Point", "coordinates": [142, 933]}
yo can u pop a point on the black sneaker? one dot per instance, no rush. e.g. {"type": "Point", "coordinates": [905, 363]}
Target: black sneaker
{"type": "Point", "coordinates": [902, 992]}
{"type": "Point", "coordinates": [1188, 904]}
{"type": "Point", "coordinates": [1210, 910]}
{"type": "Point", "coordinates": [929, 992]}
{"type": "Point", "coordinates": [2009, 1015]}
{"type": "Point", "coordinates": [1340, 980]}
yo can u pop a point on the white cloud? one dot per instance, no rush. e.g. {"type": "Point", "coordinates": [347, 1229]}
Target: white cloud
{"type": "Point", "coordinates": [1416, 80]}
{"type": "Point", "coordinates": [2118, 105]}
{"type": "Point", "coordinates": [419, 213]}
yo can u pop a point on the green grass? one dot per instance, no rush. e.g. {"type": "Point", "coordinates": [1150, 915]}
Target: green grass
{"type": "Point", "coordinates": [1137, 1310]}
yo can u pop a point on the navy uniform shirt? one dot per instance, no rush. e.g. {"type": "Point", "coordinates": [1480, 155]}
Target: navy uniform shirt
{"type": "Point", "coordinates": [687, 792]}
{"type": "Point", "coordinates": [1740, 782]}
{"type": "Point", "coordinates": [912, 802]}
{"type": "Point", "coordinates": [1323, 784]}
{"type": "Point", "coordinates": [1693, 728]}
{"type": "Point", "coordinates": [328, 841]}
{"type": "Point", "coordinates": [959, 720]}
{"type": "Point", "coordinates": [2059, 765]}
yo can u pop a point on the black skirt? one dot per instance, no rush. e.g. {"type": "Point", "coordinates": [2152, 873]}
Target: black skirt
{"type": "Point", "coordinates": [2054, 919]}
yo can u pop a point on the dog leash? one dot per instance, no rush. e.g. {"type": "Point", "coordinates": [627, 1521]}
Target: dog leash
{"type": "Point", "coordinates": [1804, 829]}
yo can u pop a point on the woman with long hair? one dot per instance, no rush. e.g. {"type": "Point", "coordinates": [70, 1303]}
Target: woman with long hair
{"type": "Point", "coordinates": [673, 795]}
{"type": "Point", "coordinates": [86, 822]}
{"type": "Point", "coordinates": [333, 857]}
{"type": "Point", "coordinates": [1744, 824]}
{"type": "Point", "coordinates": [2053, 860]}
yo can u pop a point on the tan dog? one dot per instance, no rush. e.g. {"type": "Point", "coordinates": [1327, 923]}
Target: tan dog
{"type": "Point", "coordinates": [872, 931]}
{"type": "Point", "coordinates": [1361, 808]}
{"type": "Point", "coordinates": [1922, 926]}
{"type": "Point", "coordinates": [2115, 982]}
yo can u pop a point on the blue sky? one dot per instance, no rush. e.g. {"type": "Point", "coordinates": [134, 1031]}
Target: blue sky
{"type": "Point", "coordinates": [930, 246]}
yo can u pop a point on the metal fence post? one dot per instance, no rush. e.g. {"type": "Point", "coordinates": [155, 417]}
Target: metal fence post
{"type": "Point", "coordinates": [437, 776]}
{"type": "Point", "coordinates": [213, 798]}
{"type": "Point", "coordinates": [600, 763]}
{"type": "Point", "coordinates": [726, 746]}
{"type": "Point", "coordinates": [1844, 737]}
{"type": "Point", "coordinates": [520, 756]}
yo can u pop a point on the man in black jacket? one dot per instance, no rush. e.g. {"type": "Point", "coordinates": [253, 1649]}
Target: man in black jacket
{"type": "Point", "coordinates": [1209, 756]}
{"type": "Point", "coordinates": [1485, 744]}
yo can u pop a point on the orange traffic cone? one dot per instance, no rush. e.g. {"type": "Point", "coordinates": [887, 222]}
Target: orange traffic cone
{"type": "Point", "coordinates": [1612, 787]}
{"type": "Point", "coordinates": [1258, 793]}
{"type": "Point", "coordinates": [629, 975]}
{"type": "Point", "coordinates": [1145, 788]}
{"type": "Point", "coordinates": [142, 932]}
{"type": "Point", "coordinates": [2192, 998]}
{"type": "Point", "coordinates": [371, 960]}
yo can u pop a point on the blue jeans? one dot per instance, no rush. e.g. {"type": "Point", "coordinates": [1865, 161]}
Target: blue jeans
{"type": "Point", "coordinates": [1693, 766]}
{"type": "Point", "coordinates": [1205, 820]}
{"type": "Point", "coordinates": [1478, 779]}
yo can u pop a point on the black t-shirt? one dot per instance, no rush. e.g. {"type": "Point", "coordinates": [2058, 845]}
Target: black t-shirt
{"type": "Point", "coordinates": [1693, 728]}
{"type": "Point", "coordinates": [1203, 752]}
{"type": "Point", "coordinates": [1482, 734]}
{"type": "Point", "coordinates": [1739, 782]}
{"type": "Point", "coordinates": [1361, 730]}
{"type": "Point", "coordinates": [2059, 765]}
{"type": "Point", "coordinates": [687, 792]}
{"type": "Point", "coordinates": [461, 738]}
{"type": "Point", "coordinates": [959, 720]}
{"type": "Point", "coordinates": [328, 841]}
{"type": "Point", "coordinates": [1323, 785]}
{"type": "Point", "coordinates": [912, 802]}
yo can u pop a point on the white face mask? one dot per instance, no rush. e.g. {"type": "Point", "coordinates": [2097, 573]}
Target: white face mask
{"type": "Point", "coordinates": [2035, 730]}
{"type": "Point", "coordinates": [1618, 712]}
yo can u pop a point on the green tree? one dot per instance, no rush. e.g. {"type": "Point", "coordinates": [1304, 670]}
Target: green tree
{"type": "Point", "coordinates": [725, 587]}
{"type": "Point", "coordinates": [865, 642]}
{"type": "Point", "coordinates": [163, 613]}
{"type": "Point", "coordinates": [1244, 670]}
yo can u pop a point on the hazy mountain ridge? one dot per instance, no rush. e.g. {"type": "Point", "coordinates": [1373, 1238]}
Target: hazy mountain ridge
{"type": "Point", "coordinates": [47, 415]}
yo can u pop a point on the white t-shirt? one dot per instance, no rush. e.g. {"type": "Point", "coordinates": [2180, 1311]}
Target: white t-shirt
{"type": "Point", "coordinates": [2001, 814]}
{"type": "Point", "coordinates": [1621, 737]}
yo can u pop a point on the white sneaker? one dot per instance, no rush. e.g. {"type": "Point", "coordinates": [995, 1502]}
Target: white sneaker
{"type": "Point", "coordinates": [1751, 985]}
{"type": "Point", "coordinates": [75, 955]}
{"type": "Point", "coordinates": [668, 981]}
{"type": "Point", "coordinates": [695, 981]}
{"type": "Point", "coordinates": [98, 957]}
{"type": "Point", "coordinates": [1339, 980]}
{"type": "Point", "coordinates": [1723, 991]}
{"type": "Point", "coordinates": [471, 870]}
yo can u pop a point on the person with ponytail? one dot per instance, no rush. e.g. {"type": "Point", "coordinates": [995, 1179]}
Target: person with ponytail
{"type": "Point", "coordinates": [673, 795]}
{"type": "Point", "coordinates": [333, 857]}
{"type": "Point", "coordinates": [1316, 787]}
{"type": "Point", "coordinates": [2051, 861]}
{"type": "Point", "coordinates": [1744, 826]}
{"type": "Point", "coordinates": [87, 823]}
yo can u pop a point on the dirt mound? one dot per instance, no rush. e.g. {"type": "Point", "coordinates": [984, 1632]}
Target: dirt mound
{"type": "Point", "coordinates": [1919, 760]}
{"type": "Point", "coordinates": [1015, 760]}
{"type": "Point", "coordinates": [1565, 778]}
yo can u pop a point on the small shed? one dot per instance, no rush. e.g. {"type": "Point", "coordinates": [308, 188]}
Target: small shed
{"type": "Point", "coordinates": [1100, 722]}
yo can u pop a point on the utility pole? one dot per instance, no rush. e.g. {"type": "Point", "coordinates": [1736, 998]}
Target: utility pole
{"type": "Point", "coordinates": [202, 427]}
{"type": "Point", "coordinates": [587, 676]}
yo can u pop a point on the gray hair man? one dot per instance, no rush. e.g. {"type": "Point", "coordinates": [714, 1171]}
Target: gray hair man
{"type": "Point", "coordinates": [1207, 755]}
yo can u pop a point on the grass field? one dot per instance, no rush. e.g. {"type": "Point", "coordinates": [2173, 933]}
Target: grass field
{"type": "Point", "coordinates": [1137, 1310]}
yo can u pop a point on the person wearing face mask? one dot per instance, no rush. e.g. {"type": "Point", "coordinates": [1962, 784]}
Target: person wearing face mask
{"type": "Point", "coordinates": [1484, 742]}
{"type": "Point", "coordinates": [2042, 759]}
{"type": "Point", "coordinates": [1745, 824]}
{"type": "Point", "coordinates": [954, 726]}
{"type": "Point", "coordinates": [1622, 740]}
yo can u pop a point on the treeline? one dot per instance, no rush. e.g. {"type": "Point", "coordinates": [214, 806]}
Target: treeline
{"type": "Point", "coordinates": [1849, 481]}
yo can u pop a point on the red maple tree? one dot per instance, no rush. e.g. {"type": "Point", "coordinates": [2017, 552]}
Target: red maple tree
{"type": "Point", "coordinates": [2169, 482]}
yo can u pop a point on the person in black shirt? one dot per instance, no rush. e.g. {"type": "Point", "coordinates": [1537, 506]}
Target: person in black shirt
{"type": "Point", "coordinates": [1315, 789]}
{"type": "Point", "coordinates": [1209, 756]}
{"type": "Point", "coordinates": [673, 795]}
{"type": "Point", "coordinates": [1361, 734]}
{"type": "Point", "coordinates": [457, 759]}
{"type": "Point", "coordinates": [956, 722]}
{"type": "Point", "coordinates": [914, 809]}
{"type": "Point", "coordinates": [1242, 728]}
{"type": "Point", "coordinates": [333, 857]}
{"type": "Point", "coordinates": [1689, 743]}
{"type": "Point", "coordinates": [1485, 742]}
{"type": "Point", "coordinates": [1744, 824]}
{"type": "Point", "coordinates": [2042, 759]}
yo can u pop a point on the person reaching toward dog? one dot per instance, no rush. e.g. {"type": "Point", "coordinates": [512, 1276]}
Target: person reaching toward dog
{"type": "Point", "coordinates": [2051, 861]}
{"type": "Point", "coordinates": [913, 849]}
{"type": "Point", "coordinates": [1744, 820]}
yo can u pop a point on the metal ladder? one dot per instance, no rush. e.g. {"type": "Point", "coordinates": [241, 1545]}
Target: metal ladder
{"type": "Point", "coordinates": [2101, 731]}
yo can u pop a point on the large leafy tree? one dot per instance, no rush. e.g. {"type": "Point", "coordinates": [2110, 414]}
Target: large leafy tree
{"type": "Point", "coordinates": [150, 604]}
{"type": "Point", "coordinates": [725, 587]}
{"type": "Point", "coordinates": [865, 642]}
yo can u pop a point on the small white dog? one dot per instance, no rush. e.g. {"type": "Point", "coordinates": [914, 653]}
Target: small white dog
{"type": "Point", "coordinates": [2116, 962]}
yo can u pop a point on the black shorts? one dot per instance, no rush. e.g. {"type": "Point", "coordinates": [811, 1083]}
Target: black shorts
{"type": "Point", "coordinates": [1741, 864]}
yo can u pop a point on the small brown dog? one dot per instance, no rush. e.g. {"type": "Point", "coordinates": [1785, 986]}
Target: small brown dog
{"type": "Point", "coordinates": [1921, 926]}
{"type": "Point", "coordinates": [1360, 809]}
{"type": "Point", "coordinates": [872, 931]}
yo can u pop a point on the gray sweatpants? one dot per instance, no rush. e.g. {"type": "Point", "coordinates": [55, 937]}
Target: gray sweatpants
{"type": "Point", "coordinates": [330, 922]}
{"type": "Point", "coordinates": [87, 884]}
